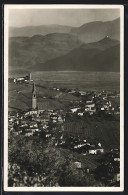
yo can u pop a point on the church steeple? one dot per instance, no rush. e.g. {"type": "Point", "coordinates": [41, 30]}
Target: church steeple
{"type": "Point", "coordinates": [34, 100]}
{"type": "Point", "coordinates": [33, 89]}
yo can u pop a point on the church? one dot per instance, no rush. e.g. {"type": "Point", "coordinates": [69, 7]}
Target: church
{"type": "Point", "coordinates": [36, 108]}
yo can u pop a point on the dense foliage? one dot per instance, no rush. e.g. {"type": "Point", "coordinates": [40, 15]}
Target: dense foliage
{"type": "Point", "coordinates": [34, 162]}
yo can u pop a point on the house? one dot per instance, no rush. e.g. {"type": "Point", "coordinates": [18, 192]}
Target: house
{"type": "Point", "coordinates": [80, 113]}
{"type": "Point", "coordinates": [31, 112]}
{"type": "Point", "coordinates": [60, 119]}
{"type": "Point", "coordinates": [116, 177]}
{"type": "Point", "coordinates": [18, 132]}
{"type": "Point", "coordinates": [48, 135]}
{"type": "Point", "coordinates": [82, 92]}
{"type": "Point", "coordinates": [99, 144]}
{"type": "Point", "coordinates": [87, 109]}
{"type": "Point", "coordinates": [96, 149]}
{"type": "Point", "coordinates": [19, 80]}
{"type": "Point", "coordinates": [44, 117]}
{"type": "Point", "coordinates": [117, 159]}
{"type": "Point", "coordinates": [33, 125]}
{"type": "Point", "coordinates": [74, 110]}
{"type": "Point", "coordinates": [89, 102]}
{"type": "Point", "coordinates": [28, 133]}
{"type": "Point", "coordinates": [92, 151]}
{"type": "Point", "coordinates": [78, 164]}
{"type": "Point", "coordinates": [45, 126]}
{"type": "Point", "coordinates": [35, 130]}
{"type": "Point", "coordinates": [10, 119]}
{"type": "Point", "coordinates": [54, 118]}
{"type": "Point", "coordinates": [79, 145]}
{"type": "Point", "coordinates": [90, 107]}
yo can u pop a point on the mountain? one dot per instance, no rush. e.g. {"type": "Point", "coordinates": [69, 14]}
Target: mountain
{"type": "Point", "coordinates": [26, 52]}
{"type": "Point", "coordinates": [103, 44]}
{"type": "Point", "coordinates": [63, 52]}
{"type": "Point", "coordinates": [92, 47]}
{"type": "Point", "coordinates": [29, 31]}
{"type": "Point", "coordinates": [88, 58]}
{"type": "Point", "coordinates": [95, 31]}
{"type": "Point", "coordinates": [89, 32]}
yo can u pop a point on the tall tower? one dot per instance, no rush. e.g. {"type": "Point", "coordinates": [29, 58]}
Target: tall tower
{"type": "Point", "coordinates": [34, 100]}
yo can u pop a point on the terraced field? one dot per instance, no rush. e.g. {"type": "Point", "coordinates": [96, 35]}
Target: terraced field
{"type": "Point", "coordinates": [99, 130]}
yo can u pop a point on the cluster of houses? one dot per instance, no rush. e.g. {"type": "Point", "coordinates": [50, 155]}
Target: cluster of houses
{"type": "Point", "coordinates": [20, 80]}
{"type": "Point", "coordinates": [29, 123]}
{"type": "Point", "coordinates": [96, 102]}
{"type": "Point", "coordinates": [83, 147]}
{"type": "Point", "coordinates": [49, 124]}
{"type": "Point", "coordinates": [34, 121]}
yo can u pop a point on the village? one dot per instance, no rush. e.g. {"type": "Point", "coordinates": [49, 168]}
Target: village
{"type": "Point", "coordinates": [56, 127]}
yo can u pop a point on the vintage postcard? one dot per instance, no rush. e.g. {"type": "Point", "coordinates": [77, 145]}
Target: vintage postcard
{"type": "Point", "coordinates": [63, 97]}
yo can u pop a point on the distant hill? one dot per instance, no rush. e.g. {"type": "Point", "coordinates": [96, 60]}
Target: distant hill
{"type": "Point", "coordinates": [88, 32]}
{"type": "Point", "coordinates": [60, 52]}
{"type": "Point", "coordinates": [103, 44]}
{"type": "Point", "coordinates": [29, 31]}
{"type": "Point", "coordinates": [91, 57]}
{"type": "Point", "coordinates": [92, 47]}
{"type": "Point", "coordinates": [95, 31]}
{"type": "Point", "coordinates": [26, 52]}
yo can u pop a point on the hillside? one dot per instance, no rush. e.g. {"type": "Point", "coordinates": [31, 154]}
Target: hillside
{"type": "Point", "coordinates": [93, 47]}
{"type": "Point", "coordinates": [103, 44]}
{"type": "Point", "coordinates": [61, 51]}
{"type": "Point", "coordinates": [28, 52]}
{"type": "Point", "coordinates": [95, 31]}
{"type": "Point", "coordinates": [29, 31]}
{"type": "Point", "coordinates": [20, 97]}
{"type": "Point", "coordinates": [98, 129]}
{"type": "Point", "coordinates": [91, 57]}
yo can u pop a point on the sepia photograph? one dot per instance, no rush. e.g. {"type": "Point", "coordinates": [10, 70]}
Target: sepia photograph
{"type": "Point", "coordinates": [63, 97]}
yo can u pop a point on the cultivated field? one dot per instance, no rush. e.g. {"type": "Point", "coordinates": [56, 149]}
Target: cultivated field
{"type": "Point", "coordinates": [96, 130]}
{"type": "Point", "coordinates": [75, 79]}
{"type": "Point", "coordinates": [20, 97]}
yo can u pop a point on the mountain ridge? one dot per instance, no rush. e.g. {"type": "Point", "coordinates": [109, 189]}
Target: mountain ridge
{"type": "Point", "coordinates": [81, 59]}
{"type": "Point", "coordinates": [52, 28]}
{"type": "Point", "coordinates": [60, 48]}
{"type": "Point", "coordinates": [41, 29]}
{"type": "Point", "coordinates": [97, 30]}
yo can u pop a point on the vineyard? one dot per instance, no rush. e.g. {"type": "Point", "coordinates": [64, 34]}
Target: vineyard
{"type": "Point", "coordinates": [20, 97]}
{"type": "Point", "coordinates": [106, 132]}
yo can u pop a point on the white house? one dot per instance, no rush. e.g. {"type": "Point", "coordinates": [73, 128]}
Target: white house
{"type": "Point", "coordinates": [77, 164]}
{"type": "Point", "coordinates": [92, 151]}
{"type": "Point", "coordinates": [74, 109]}
{"type": "Point", "coordinates": [117, 177]}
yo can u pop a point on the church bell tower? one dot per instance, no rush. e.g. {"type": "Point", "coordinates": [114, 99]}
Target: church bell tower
{"type": "Point", "coordinates": [34, 100]}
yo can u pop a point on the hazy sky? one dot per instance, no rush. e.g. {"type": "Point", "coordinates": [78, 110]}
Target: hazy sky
{"type": "Point", "coordinates": [70, 17]}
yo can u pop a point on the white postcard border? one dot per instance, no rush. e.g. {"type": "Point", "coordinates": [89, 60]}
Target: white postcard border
{"type": "Point", "coordinates": [64, 189]}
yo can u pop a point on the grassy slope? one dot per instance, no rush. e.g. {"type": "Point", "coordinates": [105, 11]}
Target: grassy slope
{"type": "Point", "coordinates": [20, 97]}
